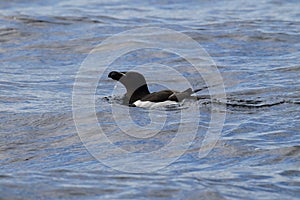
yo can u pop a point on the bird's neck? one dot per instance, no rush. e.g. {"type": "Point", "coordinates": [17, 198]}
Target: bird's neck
{"type": "Point", "coordinates": [138, 94]}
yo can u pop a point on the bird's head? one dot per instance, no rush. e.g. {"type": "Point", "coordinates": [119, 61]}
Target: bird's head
{"type": "Point", "coordinates": [131, 80]}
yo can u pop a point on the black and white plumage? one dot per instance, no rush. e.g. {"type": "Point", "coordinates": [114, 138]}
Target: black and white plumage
{"type": "Point", "coordinates": [137, 92]}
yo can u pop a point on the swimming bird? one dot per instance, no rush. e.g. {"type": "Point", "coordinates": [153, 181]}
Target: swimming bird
{"type": "Point", "coordinates": [138, 95]}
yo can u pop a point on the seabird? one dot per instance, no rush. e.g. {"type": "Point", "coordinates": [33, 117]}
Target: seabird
{"type": "Point", "coordinates": [138, 95]}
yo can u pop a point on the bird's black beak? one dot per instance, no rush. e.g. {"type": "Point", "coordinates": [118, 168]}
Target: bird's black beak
{"type": "Point", "coordinates": [116, 75]}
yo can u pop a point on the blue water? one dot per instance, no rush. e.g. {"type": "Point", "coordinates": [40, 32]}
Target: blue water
{"type": "Point", "coordinates": [255, 46]}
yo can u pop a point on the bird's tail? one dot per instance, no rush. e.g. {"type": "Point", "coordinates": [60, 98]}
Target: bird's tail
{"type": "Point", "coordinates": [198, 90]}
{"type": "Point", "coordinates": [179, 96]}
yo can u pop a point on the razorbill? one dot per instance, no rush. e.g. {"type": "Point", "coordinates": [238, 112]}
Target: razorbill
{"type": "Point", "coordinates": [138, 95]}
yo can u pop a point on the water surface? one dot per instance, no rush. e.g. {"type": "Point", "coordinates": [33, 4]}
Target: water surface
{"type": "Point", "coordinates": [255, 45]}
